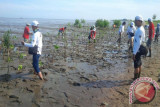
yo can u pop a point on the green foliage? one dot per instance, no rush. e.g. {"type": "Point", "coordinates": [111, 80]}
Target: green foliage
{"type": "Point", "coordinates": [21, 56]}
{"type": "Point", "coordinates": [7, 39]}
{"type": "Point", "coordinates": [77, 23]}
{"type": "Point", "coordinates": [20, 67]}
{"type": "Point", "coordinates": [56, 47]}
{"type": "Point", "coordinates": [9, 59]}
{"type": "Point", "coordinates": [83, 22]}
{"type": "Point", "coordinates": [102, 23]}
{"type": "Point", "coordinates": [11, 46]}
{"type": "Point", "coordinates": [40, 64]}
{"type": "Point", "coordinates": [14, 37]}
{"type": "Point", "coordinates": [117, 23]}
{"type": "Point", "coordinates": [106, 23]}
{"type": "Point", "coordinates": [155, 22]}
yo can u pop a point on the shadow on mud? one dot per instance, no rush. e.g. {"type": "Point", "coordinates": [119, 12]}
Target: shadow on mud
{"type": "Point", "coordinates": [10, 77]}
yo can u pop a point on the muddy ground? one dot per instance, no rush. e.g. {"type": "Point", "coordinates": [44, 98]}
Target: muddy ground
{"type": "Point", "coordinates": [80, 74]}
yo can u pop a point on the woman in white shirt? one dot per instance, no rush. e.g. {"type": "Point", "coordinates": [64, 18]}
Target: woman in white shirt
{"type": "Point", "coordinates": [36, 41]}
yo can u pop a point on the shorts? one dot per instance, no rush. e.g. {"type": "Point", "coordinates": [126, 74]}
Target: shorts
{"type": "Point", "coordinates": [137, 61]}
{"type": "Point", "coordinates": [149, 42]}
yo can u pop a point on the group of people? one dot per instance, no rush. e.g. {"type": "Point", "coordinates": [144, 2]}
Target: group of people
{"type": "Point", "coordinates": [136, 40]}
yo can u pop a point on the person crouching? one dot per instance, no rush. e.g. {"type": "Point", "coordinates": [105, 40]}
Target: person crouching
{"type": "Point", "coordinates": [92, 34]}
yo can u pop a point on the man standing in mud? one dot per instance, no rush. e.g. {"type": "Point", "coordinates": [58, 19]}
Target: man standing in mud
{"type": "Point", "coordinates": [151, 35]}
{"type": "Point", "coordinates": [121, 31]}
{"type": "Point", "coordinates": [36, 41]}
{"type": "Point", "coordinates": [139, 38]}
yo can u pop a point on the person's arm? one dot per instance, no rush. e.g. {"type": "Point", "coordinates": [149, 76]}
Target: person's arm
{"type": "Point", "coordinates": [33, 43]}
{"type": "Point", "coordinates": [136, 46]}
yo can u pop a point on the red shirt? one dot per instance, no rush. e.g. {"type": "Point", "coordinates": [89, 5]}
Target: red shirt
{"type": "Point", "coordinates": [151, 30]}
{"type": "Point", "coordinates": [62, 29]}
{"type": "Point", "coordinates": [26, 32]}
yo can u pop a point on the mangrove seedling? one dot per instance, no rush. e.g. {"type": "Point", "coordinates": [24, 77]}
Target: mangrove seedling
{"type": "Point", "coordinates": [20, 67]}
{"type": "Point", "coordinates": [7, 45]}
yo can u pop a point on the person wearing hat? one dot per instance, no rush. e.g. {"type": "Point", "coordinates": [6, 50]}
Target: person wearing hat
{"type": "Point", "coordinates": [26, 33]}
{"type": "Point", "coordinates": [139, 38]}
{"type": "Point", "coordinates": [121, 31]}
{"type": "Point", "coordinates": [36, 41]}
{"type": "Point", "coordinates": [157, 32]}
{"type": "Point", "coordinates": [130, 32]}
{"type": "Point", "coordinates": [151, 35]}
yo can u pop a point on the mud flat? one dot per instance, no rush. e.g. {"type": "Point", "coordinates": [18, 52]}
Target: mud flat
{"type": "Point", "coordinates": [80, 74]}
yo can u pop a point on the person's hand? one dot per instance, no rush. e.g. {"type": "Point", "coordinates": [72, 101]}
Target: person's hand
{"type": "Point", "coordinates": [133, 57]}
{"type": "Point", "coordinates": [22, 42]}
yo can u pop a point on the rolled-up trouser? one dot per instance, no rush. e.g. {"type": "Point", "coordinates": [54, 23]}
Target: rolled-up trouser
{"type": "Point", "coordinates": [36, 62]}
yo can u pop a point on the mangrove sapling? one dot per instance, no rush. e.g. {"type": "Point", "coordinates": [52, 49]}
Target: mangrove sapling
{"type": "Point", "coordinates": [7, 45]}
{"type": "Point", "coordinates": [21, 56]}
{"type": "Point", "coordinates": [20, 67]}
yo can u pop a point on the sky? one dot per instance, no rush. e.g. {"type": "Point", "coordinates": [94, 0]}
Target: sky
{"type": "Point", "coordinates": [80, 9]}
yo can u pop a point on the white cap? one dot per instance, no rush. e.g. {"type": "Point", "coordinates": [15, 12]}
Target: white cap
{"type": "Point", "coordinates": [149, 19]}
{"type": "Point", "coordinates": [139, 18]}
{"type": "Point", "coordinates": [132, 23]}
{"type": "Point", "coordinates": [35, 23]}
{"type": "Point", "coordinates": [28, 24]}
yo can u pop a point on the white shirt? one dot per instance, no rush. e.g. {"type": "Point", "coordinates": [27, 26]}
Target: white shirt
{"type": "Point", "coordinates": [121, 29]}
{"type": "Point", "coordinates": [36, 40]}
{"type": "Point", "coordinates": [131, 29]}
{"type": "Point", "coordinates": [138, 39]}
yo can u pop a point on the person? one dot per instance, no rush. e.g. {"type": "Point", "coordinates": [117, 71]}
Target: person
{"type": "Point", "coordinates": [62, 30]}
{"type": "Point", "coordinates": [151, 35]}
{"type": "Point", "coordinates": [26, 33]}
{"type": "Point", "coordinates": [36, 41]}
{"type": "Point", "coordinates": [121, 31]}
{"type": "Point", "coordinates": [92, 34]}
{"type": "Point", "coordinates": [130, 32]}
{"type": "Point", "coordinates": [139, 38]}
{"type": "Point", "coordinates": [157, 32]}
{"type": "Point", "coordinates": [114, 26]}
